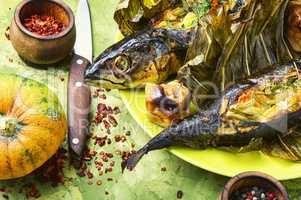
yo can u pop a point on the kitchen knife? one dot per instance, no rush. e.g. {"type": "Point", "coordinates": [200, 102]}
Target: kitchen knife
{"type": "Point", "coordinates": [79, 95]}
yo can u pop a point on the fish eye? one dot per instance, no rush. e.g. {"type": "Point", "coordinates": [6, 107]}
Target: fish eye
{"type": "Point", "coordinates": [121, 64]}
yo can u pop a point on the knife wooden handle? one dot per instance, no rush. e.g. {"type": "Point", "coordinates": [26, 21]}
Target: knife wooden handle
{"type": "Point", "coordinates": [79, 100]}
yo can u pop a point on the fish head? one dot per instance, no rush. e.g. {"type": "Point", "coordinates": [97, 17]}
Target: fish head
{"type": "Point", "coordinates": [130, 63]}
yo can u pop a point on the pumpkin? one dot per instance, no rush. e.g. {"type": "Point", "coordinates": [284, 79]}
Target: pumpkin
{"type": "Point", "coordinates": [32, 125]}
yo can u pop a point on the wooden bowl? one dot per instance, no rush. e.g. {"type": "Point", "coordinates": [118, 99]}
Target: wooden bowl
{"type": "Point", "coordinates": [251, 179]}
{"type": "Point", "coordinates": [39, 49]}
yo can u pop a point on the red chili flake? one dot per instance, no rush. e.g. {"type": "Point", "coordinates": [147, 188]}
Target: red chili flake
{"type": "Point", "coordinates": [163, 169]}
{"type": "Point", "coordinates": [271, 195]}
{"type": "Point", "coordinates": [109, 155]}
{"type": "Point", "coordinates": [101, 107]}
{"type": "Point", "coordinates": [101, 141]}
{"type": "Point", "coordinates": [112, 163]}
{"type": "Point", "coordinates": [32, 191]}
{"type": "Point", "coordinates": [117, 138]}
{"type": "Point", "coordinates": [98, 119]}
{"type": "Point", "coordinates": [112, 120]}
{"type": "Point", "coordinates": [89, 174]}
{"type": "Point", "coordinates": [106, 124]}
{"type": "Point", "coordinates": [43, 25]}
{"type": "Point", "coordinates": [123, 138]}
{"type": "Point", "coordinates": [180, 194]}
{"type": "Point", "coordinates": [83, 168]}
{"type": "Point", "coordinates": [110, 110]}
{"type": "Point", "coordinates": [105, 158]}
{"type": "Point", "coordinates": [99, 182]}
{"type": "Point", "coordinates": [89, 154]}
{"type": "Point", "coordinates": [2, 190]}
{"type": "Point", "coordinates": [108, 170]}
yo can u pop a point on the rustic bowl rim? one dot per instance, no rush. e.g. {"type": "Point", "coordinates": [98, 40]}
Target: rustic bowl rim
{"type": "Point", "coordinates": [49, 37]}
{"type": "Point", "coordinates": [253, 174]}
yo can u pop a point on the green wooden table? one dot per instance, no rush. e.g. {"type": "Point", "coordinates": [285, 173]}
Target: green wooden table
{"type": "Point", "coordinates": [148, 181]}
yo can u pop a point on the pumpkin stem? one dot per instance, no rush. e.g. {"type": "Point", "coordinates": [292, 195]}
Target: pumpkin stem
{"type": "Point", "coordinates": [8, 126]}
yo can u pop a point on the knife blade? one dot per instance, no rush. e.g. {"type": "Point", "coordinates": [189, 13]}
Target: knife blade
{"type": "Point", "coordinates": [79, 95]}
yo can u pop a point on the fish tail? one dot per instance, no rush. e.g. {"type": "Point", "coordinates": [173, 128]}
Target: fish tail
{"type": "Point", "coordinates": [132, 161]}
{"type": "Point", "coordinates": [161, 141]}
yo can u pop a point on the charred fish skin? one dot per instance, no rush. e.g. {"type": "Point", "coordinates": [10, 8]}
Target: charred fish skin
{"type": "Point", "coordinates": [217, 125]}
{"type": "Point", "coordinates": [149, 55]}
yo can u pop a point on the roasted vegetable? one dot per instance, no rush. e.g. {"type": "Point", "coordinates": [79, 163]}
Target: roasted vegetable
{"type": "Point", "coordinates": [146, 56]}
{"type": "Point", "coordinates": [32, 125]}
{"type": "Point", "coordinates": [266, 107]}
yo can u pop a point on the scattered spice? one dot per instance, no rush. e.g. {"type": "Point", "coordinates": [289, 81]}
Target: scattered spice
{"type": "Point", "coordinates": [52, 170]}
{"type": "Point", "coordinates": [251, 193]}
{"type": "Point", "coordinates": [112, 120]}
{"type": "Point", "coordinates": [104, 161]}
{"type": "Point", "coordinates": [106, 192]}
{"type": "Point", "coordinates": [31, 191]}
{"type": "Point", "coordinates": [43, 25]}
{"type": "Point", "coordinates": [89, 174]}
{"type": "Point", "coordinates": [180, 194]}
{"type": "Point", "coordinates": [163, 169]}
{"type": "Point", "coordinates": [106, 124]}
{"type": "Point", "coordinates": [109, 155]}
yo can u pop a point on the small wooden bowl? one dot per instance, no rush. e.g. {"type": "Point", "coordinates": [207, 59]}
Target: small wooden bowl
{"type": "Point", "coordinates": [39, 49]}
{"type": "Point", "coordinates": [251, 179]}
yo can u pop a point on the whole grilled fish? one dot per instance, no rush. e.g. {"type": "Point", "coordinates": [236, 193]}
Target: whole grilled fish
{"type": "Point", "coordinates": [265, 107]}
{"type": "Point", "coordinates": [145, 56]}
{"type": "Point", "coordinates": [231, 44]}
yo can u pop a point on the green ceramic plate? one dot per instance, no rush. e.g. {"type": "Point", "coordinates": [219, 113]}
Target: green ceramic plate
{"type": "Point", "coordinates": [214, 160]}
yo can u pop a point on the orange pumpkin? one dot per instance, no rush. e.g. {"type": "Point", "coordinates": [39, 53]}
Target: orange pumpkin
{"type": "Point", "coordinates": [32, 125]}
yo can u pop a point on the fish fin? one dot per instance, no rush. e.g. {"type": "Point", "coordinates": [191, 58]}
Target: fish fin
{"type": "Point", "coordinates": [132, 161]}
